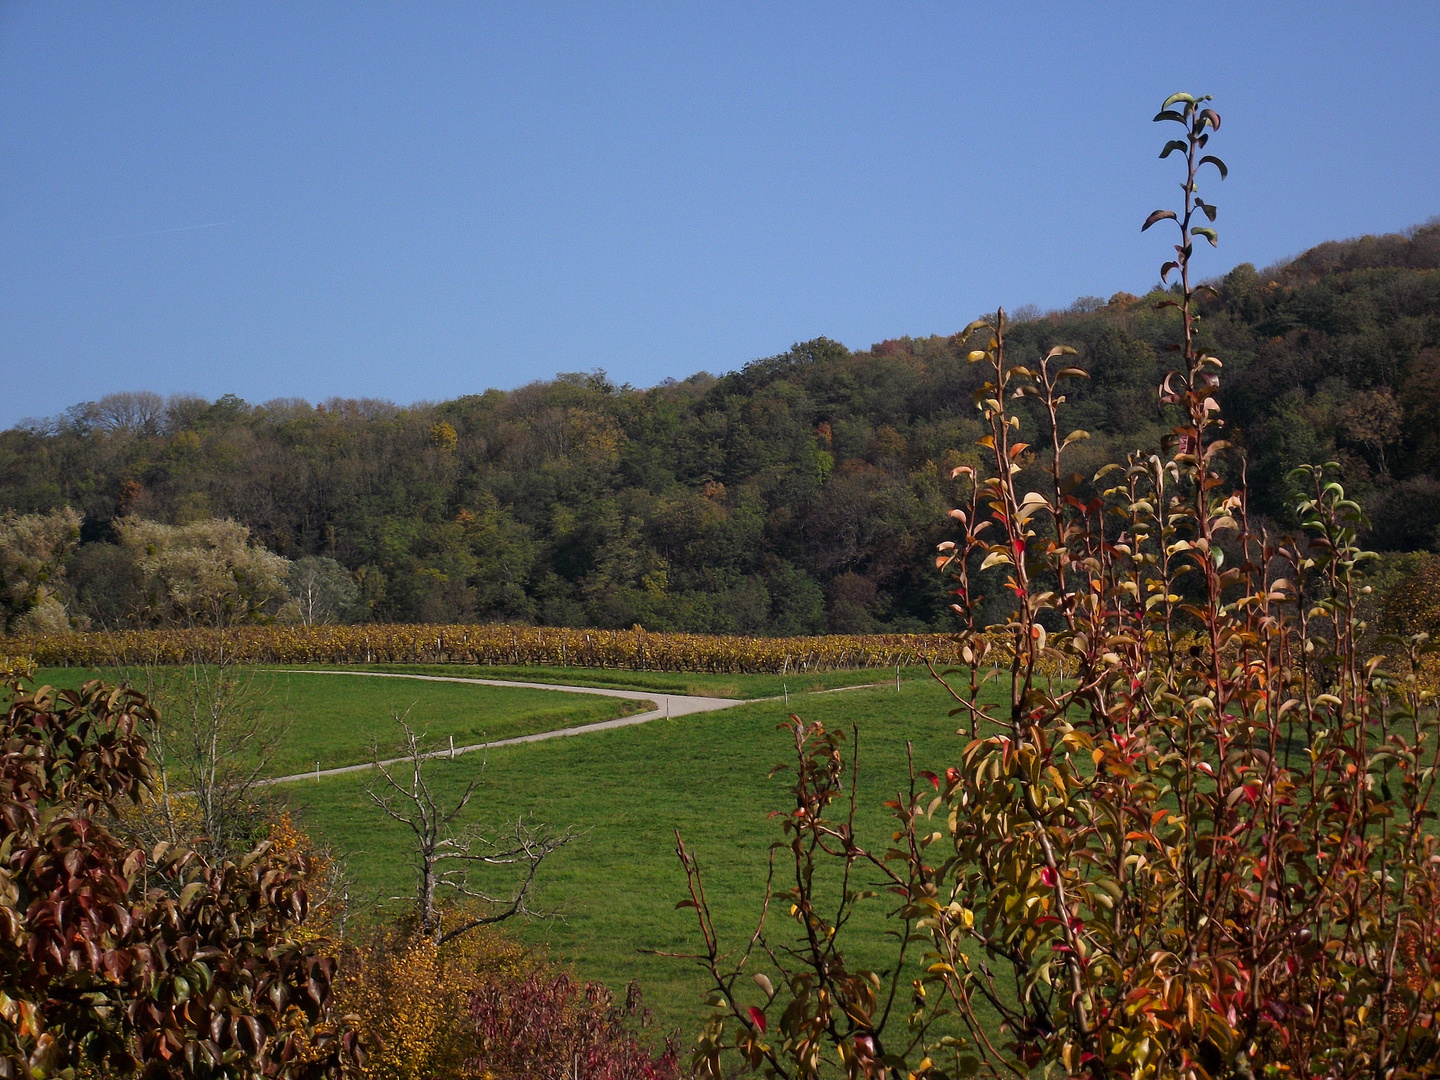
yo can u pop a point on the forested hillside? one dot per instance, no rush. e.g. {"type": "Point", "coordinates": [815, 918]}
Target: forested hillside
{"type": "Point", "coordinates": [801, 494]}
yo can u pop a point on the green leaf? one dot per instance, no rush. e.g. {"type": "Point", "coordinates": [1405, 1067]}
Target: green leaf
{"type": "Point", "coordinates": [1158, 215]}
{"type": "Point", "coordinates": [1169, 114]}
{"type": "Point", "coordinates": [1208, 234]}
{"type": "Point", "coordinates": [1207, 208]}
{"type": "Point", "coordinates": [1213, 160]}
{"type": "Point", "coordinates": [1173, 145]}
{"type": "Point", "coordinates": [1110, 886]}
{"type": "Point", "coordinates": [1173, 98]}
{"type": "Point", "coordinates": [995, 558]}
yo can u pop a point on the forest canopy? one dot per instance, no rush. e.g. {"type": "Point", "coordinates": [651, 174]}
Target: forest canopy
{"type": "Point", "coordinates": [800, 494]}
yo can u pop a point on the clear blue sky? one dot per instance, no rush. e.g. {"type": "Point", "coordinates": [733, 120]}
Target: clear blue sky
{"type": "Point", "coordinates": [416, 201]}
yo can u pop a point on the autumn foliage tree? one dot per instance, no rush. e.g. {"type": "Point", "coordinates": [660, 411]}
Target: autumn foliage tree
{"type": "Point", "coordinates": [1203, 853]}
{"type": "Point", "coordinates": [157, 960]}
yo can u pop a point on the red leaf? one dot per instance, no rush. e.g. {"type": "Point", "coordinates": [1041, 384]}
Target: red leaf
{"type": "Point", "coordinates": [1047, 876]}
{"type": "Point", "coordinates": [757, 1018]}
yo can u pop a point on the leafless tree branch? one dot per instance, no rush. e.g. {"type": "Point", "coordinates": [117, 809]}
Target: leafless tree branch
{"type": "Point", "coordinates": [445, 855]}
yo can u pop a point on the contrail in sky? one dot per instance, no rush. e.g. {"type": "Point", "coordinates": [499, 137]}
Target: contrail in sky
{"type": "Point", "coordinates": [166, 232]}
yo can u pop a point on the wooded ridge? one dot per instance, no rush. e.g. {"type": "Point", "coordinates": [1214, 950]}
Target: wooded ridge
{"type": "Point", "coordinates": [801, 494]}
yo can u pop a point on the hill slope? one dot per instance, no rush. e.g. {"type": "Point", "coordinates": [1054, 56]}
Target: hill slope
{"type": "Point", "coordinates": [799, 494]}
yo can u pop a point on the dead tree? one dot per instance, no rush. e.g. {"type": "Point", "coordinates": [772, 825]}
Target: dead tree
{"type": "Point", "coordinates": [213, 738]}
{"type": "Point", "coordinates": [447, 855]}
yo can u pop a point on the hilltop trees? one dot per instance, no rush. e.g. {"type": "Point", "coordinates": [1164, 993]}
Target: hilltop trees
{"type": "Point", "coordinates": [739, 503]}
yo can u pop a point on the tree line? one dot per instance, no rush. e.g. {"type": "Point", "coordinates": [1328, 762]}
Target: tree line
{"type": "Point", "coordinates": [797, 495]}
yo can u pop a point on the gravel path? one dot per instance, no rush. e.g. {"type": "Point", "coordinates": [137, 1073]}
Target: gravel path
{"type": "Point", "coordinates": [662, 705]}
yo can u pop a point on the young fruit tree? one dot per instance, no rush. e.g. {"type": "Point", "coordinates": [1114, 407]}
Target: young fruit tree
{"type": "Point", "coordinates": [1204, 850]}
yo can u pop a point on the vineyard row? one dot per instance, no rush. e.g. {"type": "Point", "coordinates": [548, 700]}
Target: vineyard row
{"type": "Point", "coordinates": [637, 649]}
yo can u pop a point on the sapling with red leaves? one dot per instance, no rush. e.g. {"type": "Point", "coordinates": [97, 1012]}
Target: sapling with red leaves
{"type": "Point", "coordinates": [1201, 853]}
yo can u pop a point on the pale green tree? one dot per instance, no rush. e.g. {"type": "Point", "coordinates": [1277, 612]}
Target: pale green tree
{"type": "Point", "coordinates": [206, 573]}
{"type": "Point", "coordinates": [33, 550]}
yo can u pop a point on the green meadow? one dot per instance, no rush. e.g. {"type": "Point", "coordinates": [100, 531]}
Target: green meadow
{"type": "Point", "coordinates": [338, 719]}
{"type": "Point", "coordinates": [626, 791]}
{"type": "Point", "coordinates": [698, 684]}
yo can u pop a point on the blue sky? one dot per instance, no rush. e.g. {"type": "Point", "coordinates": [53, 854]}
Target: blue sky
{"type": "Point", "coordinates": [415, 201]}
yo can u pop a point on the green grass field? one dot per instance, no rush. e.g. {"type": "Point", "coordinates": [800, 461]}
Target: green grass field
{"type": "Point", "coordinates": [335, 720]}
{"type": "Point", "coordinates": [627, 790]}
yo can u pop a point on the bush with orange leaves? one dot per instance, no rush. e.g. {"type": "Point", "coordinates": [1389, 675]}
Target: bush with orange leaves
{"type": "Point", "coordinates": [483, 1006]}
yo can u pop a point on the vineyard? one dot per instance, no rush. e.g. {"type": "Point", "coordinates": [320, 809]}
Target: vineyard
{"type": "Point", "coordinates": [636, 650]}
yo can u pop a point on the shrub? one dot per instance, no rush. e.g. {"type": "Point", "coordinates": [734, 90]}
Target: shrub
{"type": "Point", "coordinates": [548, 1025]}
{"type": "Point", "coordinates": [410, 997]}
{"type": "Point", "coordinates": [483, 1006]}
{"type": "Point", "coordinates": [126, 957]}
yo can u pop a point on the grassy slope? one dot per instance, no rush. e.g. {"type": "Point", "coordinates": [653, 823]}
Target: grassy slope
{"type": "Point", "coordinates": [334, 719]}
{"type": "Point", "coordinates": [629, 789]}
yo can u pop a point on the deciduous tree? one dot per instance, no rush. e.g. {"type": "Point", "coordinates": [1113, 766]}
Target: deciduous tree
{"type": "Point", "coordinates": [126, 957]}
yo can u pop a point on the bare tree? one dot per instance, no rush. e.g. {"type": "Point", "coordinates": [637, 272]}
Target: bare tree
{"type": "Point", "coordinates": [447, 855]}
{"type": "Point", "coordinates": [140, 412]}
{"type": "Point", "coordinates": [212, 743]}
{"type": "Point", "coordinates": [322, 590]}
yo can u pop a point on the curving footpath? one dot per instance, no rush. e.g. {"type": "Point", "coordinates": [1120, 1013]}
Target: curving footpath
{"type": "Point", "coordinates": [663, 705]}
